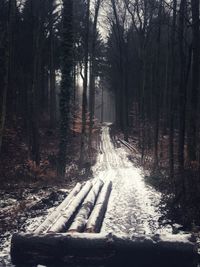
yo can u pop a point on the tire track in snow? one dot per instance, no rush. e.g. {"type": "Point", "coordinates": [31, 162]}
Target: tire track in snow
{"type": "Point", "coordinates": [133, 206]}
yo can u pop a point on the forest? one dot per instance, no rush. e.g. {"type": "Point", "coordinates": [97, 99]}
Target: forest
{"type": "Point", "coordinates": [71, 70]}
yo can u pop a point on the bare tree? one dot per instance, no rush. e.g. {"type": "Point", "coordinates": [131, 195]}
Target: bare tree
{"type": "Point", "coordinates": [92, 70]}
{"type": "Point", "coordinates": [172, 87]}
{"type": "Point", "coordinates": [66, 83]}
{"type": "Point", "coordinates": [8, 35]}
{"type": "Point", "coordinates": [119, 33]}
{"type": "Point", "coordinates": [84, 138]}
{"type": "Point", "coordinates": [193, 117]}
{"type": "Point", "coordinates": [52, 73]}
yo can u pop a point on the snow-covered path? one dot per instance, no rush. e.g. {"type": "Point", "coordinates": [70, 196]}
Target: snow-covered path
{"type": "Point", "coordinates": [133, 205]}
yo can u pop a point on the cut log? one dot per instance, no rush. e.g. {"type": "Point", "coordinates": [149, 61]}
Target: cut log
{"type": "Point", "coordinates": [50, 220]}
{"type": "Point", "coordinates": [96, 218]}
{"type": "Point", "coordinates": [103, 250]}
{"type": "Point", "coordinates": [81, 218]}
{"type": "Point", "coordinates": [63, 221]}
{"type": "Point", "coordinates": [129, 146]}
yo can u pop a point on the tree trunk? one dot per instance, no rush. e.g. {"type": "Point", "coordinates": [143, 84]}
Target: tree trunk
{"type": "Point", "coordinates": [50, 220]}
{"type": "Point", "coordinates": [103, 250]}
{"type": "Point", "coordinates": [119, 34]}
{"type": "Point", "coordinates": [182, 87]}
{"type": "Point", "coordinates": [92, 74]}
{"type": "Point", "coordinates": [97, 216]}
{"type": "Point", "coordinates": [102, 104]}
{"type": "Point", "coordinates": [52, 78]}
{"type": "Point", "coordinates": [35, 146]}
{"type": "Point", "coordinates": [8, 46]}
{"type": "Point", "coordinates": [84, 139]}
{"type": "Point", "coordinates": [172, 88]}
{"type": "Point", "coordinates": [3, 105]}
{"type": "Point", "coordinates": [192, 132]}
{"type": "Point", "coordinates": [64, 220]}
{"type": "Point", "coordinates": [81, 218]}
{"type": "Point", "coordinates": [158, 88]}
{"type": "Point", "coordinates": [66, 83]}
{"type": "Point", "coordinates": [37, 20]}
{"type": "Point", "coordinates": [11, 93]}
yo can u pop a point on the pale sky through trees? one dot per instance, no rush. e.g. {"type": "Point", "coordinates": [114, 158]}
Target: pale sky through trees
{"type": "Point", "coordinates": [99, 95]}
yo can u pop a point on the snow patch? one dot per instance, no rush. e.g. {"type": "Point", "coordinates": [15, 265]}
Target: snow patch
{"type": "Point", "coordinates": [133, 207]}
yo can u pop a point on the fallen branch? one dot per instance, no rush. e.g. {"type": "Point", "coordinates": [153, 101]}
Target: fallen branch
{"type": "Point", "coordinates": [45, 226]}
{"type": "Point", "coordinates": [129, 146]}
{"type": "Point", "coordinates": [103, 250]}
{"type": "Point", "coordinates": [96, 218]}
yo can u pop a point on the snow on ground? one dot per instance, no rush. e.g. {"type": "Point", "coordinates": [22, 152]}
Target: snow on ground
{"type": "Point", "coordinates": [133, 206]}
{"type": "Point", "coordinates": [29, 220]}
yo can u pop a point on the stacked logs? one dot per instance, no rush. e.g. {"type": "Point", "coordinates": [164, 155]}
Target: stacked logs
{"type": "Point", "coordinates": [82, 210]}
{"type": "Point", "coordinates": [50, 220]}
{"type": "Point", "coordinates": [70, 236]}
{"type": "Point", "coordinates": [81, 218]}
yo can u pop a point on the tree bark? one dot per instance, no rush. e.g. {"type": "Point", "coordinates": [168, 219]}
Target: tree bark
{"type": "Point", "coordinates": [64, 220]}
{"type": "Point", "coordinates": [120, 40]}
{"type": "Point", "coordinates": [37, 10]}
{"type": "Point", "coordinates": [66, 83]}
{"type": "Point", "coordinates": [81, 218]}
{"type": "Point", "coordinates": [8, 48]}
{"type": "Point", "coordinates": [193, 116]}
{"type": "Point", "coordinates": [182, 87]}
{"type": "Point", "coordinates": [92, 74]}
{"type": "Point", "coordinates": [50, 220]}
{"type": "Point", "coordinates": [52, 72]}
{"type": "Point", "coordinates": [103, 250]}
{"type": "Point", "coordinates": [102, 104]}
{"type": "Point", "coordinates": [158, 86]}
{"type": "Point", "coordinates": [172, 88]}
{"type": "Point", "coordinates": [12, 89]}
{"type": "Point", "coordinates": [3, 101]}
{"type": "Point", "coordinates": [84, 138]}
{"type": "Point", "coordinates": [96, 218]}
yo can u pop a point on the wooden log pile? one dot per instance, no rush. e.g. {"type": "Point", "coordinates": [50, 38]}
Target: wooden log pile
{"type": "Point", "coordinates": [81, 218]}
{"type": "Point", "coordinates": [71, 236]}
{"type": "Point", "coordinates": [82, 210]}
{"type": "Point", "coordinates": [64, 220]}
{"type": "Point", "coordinates": [85, 249]}
{"type": "Point", "coordinates": [50, 220]}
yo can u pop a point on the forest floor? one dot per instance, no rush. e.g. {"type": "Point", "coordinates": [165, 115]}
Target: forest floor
{"type": "Point", "coordinates": [180, 193]}
{"type": "Point", "coordinates": [134, 206]}
{"type": "Point", "coordinates": [28, 192]}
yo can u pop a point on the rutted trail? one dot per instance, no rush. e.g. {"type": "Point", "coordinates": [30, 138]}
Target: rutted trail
{"type": "Point", "coordinates": [133, 205]}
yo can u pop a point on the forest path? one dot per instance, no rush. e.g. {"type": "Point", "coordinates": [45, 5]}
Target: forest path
{"type": "Point", "coordinates": [133, 206]}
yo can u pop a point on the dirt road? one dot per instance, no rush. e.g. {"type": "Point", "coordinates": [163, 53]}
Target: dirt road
{"type": "Point", "coordinates": [134, 205]}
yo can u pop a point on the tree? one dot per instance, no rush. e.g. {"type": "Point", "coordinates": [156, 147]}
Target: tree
{"type": "Point", "coordinates": [118, 24]}
{"type": "Point", "coordinates": [66, 83]}
{"type": "Point", "coordinates": [52, 73]}
{"type": "Point", "coordinates": [92, 69]}
{"type": "Point", "coordinates": [6, 56]}
{"type": "Point", "coordinates": [84, 139]}
{"type": "Point", "coordinates": [172, 88]}
{"type": "Point", "coordinates": [182, 85]}
{"type": "Point", "coordinates": [193, 115]}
